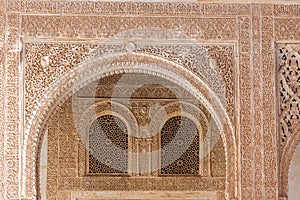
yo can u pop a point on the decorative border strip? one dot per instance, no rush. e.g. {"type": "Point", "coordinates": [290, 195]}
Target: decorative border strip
{"type": "Point", "coordinates": [131, 8]}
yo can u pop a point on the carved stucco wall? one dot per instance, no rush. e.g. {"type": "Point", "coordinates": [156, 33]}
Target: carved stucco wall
{"type": "Point", "coordinates": [254, 29]}
{"type": "Point", "coordinates": [170, 58]}
{"type": "Point", "coordinates": [66, 171]}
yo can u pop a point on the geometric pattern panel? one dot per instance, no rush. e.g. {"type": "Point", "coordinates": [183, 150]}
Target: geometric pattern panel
{"type": "Point", "coordinates": [106, 133]}
{"type": "Point", "coordinates": [181, 133]}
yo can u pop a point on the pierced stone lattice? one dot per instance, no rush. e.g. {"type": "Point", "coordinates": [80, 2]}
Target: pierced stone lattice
{"type": "Point", "coordinates": [289, 86]}
{"type": "Point", "coordinates": [183, 131]}
{"type": "Point", "coordinates": [106, 131]}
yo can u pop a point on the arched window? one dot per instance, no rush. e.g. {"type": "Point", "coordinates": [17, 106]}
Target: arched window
{"type": "Point", "coordinates": [108, 146]}
{"type": "Point", "coordinates": [179, 141]}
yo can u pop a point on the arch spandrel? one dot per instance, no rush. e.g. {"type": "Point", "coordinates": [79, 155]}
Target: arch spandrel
{"type": "Point", "coordinates": [47, 62]}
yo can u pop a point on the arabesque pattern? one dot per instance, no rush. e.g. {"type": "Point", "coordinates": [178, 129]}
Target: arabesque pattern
{"type": "Point", "coordinates": [289, 82]}
{"type": "Point", "coordinates": [249, 30]}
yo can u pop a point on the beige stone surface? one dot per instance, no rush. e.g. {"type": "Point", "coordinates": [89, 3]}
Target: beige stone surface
{"type": "Point", "coordinates": [294, 175]}
{"type": "Point", "coordinates": [149, 195]}
{"type": "Point", "coordinates": [45, 44]}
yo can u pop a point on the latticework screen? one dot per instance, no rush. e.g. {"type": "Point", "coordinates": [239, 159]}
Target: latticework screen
{"type": "Point", "coordinates": [106, 134]}
{"type": "Point", "coordinates": [180, 134]}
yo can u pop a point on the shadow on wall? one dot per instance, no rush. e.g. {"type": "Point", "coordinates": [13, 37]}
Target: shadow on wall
{"type": "Point", "coordinates": [294, 176]}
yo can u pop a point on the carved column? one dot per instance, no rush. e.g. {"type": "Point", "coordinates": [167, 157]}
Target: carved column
{"type": "Point", "coordinates": [257, 98]}
{"type": "Point", "coordinates": [269, 102]}
{"type": "Point", "coordinates": [246, 134]}
{"type": "Point", "coordinates": [12, 113]}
